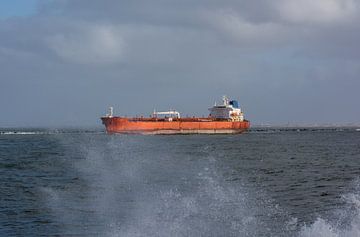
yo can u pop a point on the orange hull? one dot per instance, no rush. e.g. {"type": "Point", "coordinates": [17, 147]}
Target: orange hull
{"type": "Point", "coordinates": [177, 126]}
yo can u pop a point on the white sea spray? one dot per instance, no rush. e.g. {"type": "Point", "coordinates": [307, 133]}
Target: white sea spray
{"type": "Point", "coordinates": [345, 222]}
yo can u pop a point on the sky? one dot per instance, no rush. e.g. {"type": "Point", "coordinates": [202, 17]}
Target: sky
{"type": "Point", "coordinates": [64, 62]}
{"type": "Point", "coordinates": [11, 8]}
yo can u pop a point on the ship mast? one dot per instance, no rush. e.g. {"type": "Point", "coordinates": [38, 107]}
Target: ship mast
{"type": "Point", "coordinates": [111, 112]}
{"type": "Point", "coordinates": [225, 100]}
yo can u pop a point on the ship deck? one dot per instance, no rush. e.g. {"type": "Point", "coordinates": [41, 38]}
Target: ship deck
{"type": "Point", "coordinates": [186, 119]}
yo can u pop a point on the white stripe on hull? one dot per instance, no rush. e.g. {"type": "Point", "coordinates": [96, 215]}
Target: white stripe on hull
{"type": "Point", "coordinates": [187, 131]}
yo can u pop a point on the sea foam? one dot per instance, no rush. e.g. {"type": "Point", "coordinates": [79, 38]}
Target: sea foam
{"type": "Point", "coordinates": [345, 222]}
{"type": "Point", "coordinates": [19, 133]}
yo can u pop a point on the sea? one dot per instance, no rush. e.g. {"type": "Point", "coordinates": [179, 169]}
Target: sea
{"type": "Point", "coordinates": [296, 182]}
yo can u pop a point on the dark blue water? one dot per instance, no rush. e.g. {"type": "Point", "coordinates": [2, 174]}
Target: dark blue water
{"type": "Point", "coordinates": [267, 182]}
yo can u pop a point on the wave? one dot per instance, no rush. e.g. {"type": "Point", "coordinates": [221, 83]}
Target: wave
{"type": "Point", "coordinates": [48, 132]}
{"type": "Point", "coordinates": [20, 133]}
{"type": "Point", "coordinates": [345, 223]}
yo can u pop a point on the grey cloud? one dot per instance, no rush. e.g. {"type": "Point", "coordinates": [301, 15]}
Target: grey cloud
{"type": "Point", "coordinates": [90, 44]}
{"type": "Point", "coordinates": [282, 59]}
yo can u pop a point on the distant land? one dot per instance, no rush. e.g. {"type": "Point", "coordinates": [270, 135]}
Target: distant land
{"type": "Point", "coordinates": [307, 125]}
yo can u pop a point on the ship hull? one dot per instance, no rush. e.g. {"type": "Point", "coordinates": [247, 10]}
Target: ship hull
{"type": "Point", "coordinates": [178, 126]}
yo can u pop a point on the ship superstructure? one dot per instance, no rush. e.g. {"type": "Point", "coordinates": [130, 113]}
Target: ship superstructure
{"type": "Point", "coordinates": [225, 118]}
{"type": "Point", "coordinates": [229, 110]}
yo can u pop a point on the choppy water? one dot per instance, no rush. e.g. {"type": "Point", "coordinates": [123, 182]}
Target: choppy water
{"type": "Point", "coordinates": [267, 182]}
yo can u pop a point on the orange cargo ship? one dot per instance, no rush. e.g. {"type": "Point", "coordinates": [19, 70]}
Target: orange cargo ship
{"type": "Point", "coordinates": [227, 118]}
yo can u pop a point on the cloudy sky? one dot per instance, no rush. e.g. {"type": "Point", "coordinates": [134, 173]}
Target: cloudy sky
{"type": "Point", "coordinates": [63, 62]}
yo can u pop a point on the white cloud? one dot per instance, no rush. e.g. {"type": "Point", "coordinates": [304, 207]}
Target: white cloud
{"type": "Point", "coordinates": [316, 11]}
{"type": "Point", "coordinates": [87, 45]}
{"type": "Point", "coordinates": [230, 23]}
